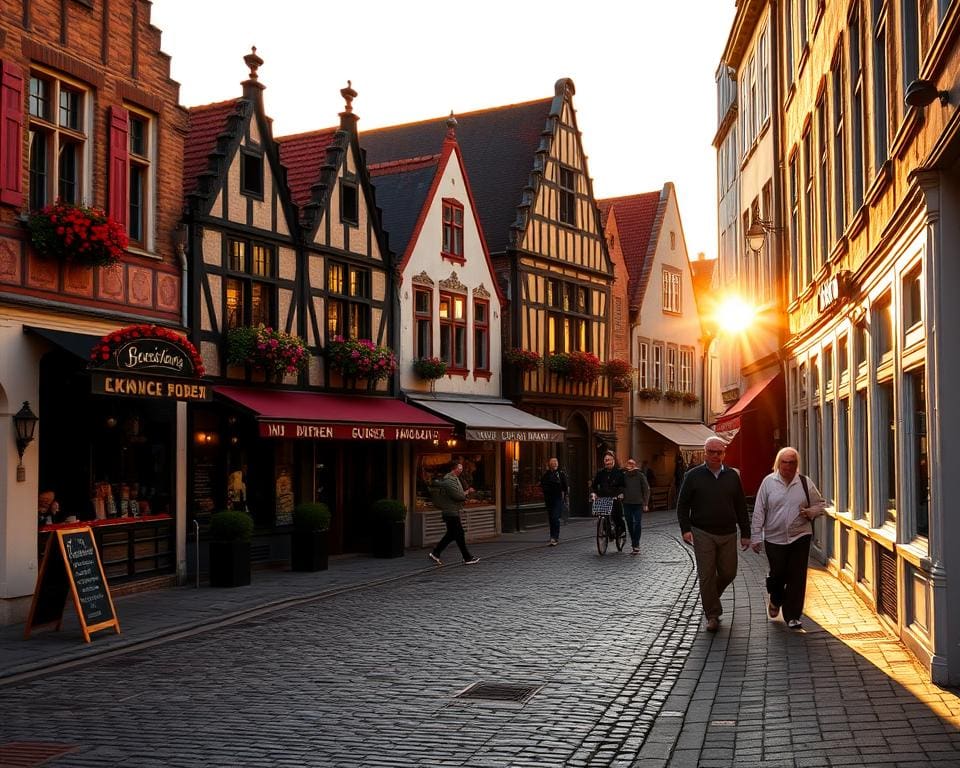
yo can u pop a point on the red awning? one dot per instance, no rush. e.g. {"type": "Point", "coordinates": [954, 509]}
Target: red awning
{"type": "Point", "coordinates": [729, 420]}
{"type": "Point", "coordinates": [315, 416]}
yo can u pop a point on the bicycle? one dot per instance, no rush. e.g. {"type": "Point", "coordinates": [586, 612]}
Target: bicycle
{"type": "Point", "coordinates": [606, 527]}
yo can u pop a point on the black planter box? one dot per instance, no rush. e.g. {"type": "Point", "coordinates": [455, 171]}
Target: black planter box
{"type": "Point", "coordinates": [229, 563]}
{"type": "Point", "coordinates": [388, 539]}
{"type": "Point", "coordinates": [309, 551]}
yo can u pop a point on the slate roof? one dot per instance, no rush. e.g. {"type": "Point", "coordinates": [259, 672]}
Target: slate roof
{"type": "Point", "coordinates": [638, 222]}
{"type": "Point", "coordinates": [205, 124]}
{"type": "Point", "coordinates": [498, 147]}
{"type": "Point", "coordinates": [304, 155]}
{"type": "Point", "coordinates": [402, 188]}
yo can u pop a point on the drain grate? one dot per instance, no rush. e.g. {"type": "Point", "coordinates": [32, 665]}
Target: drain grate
{"type": "Point", "coordinates": [29, 754]}
{"type": "Point", "coordinates": [504, 692]}
{"type": "Point", "coordinates": [870, 635]}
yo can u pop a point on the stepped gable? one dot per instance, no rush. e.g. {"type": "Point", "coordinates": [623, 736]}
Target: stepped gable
{"type": "Point", "coordinates": [638, 223]}
{"type": "Point", "coordinates": [209, 133]}
{"type": "Point", "coordinates": [498, 146]}
{"type": "Point", "coordinates": [305, 156]}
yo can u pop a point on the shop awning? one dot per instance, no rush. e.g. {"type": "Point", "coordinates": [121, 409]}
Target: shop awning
{"type": "Point", "coordinates": [77, 344]}
{"type": "Point", "coordinates": [728, 422]}
{"type": "Point", "coordinates": [494, 420]}
{"type": "Point", "coordinates": [688, 435]}
{"type": "Point", "coordinates": [316, 416]}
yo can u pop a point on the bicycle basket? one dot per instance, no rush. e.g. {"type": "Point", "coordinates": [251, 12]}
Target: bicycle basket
{"type": "Point", "coordinates": [602, 505]}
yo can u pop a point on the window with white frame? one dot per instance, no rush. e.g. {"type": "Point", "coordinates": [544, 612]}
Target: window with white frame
{"type": "Point", "coordinates": [59, 115]}
{"type": "Point", "coordinates": [686, 370]}
{"type": "Point", "coordinates": [884, 453]}
{"type": "Point", "coordinates": [881, 89]}
{"type": "Point", "coordinates": [918, 463]}
{"type": "Point", "coordinates": [671, 367]}
{"type": "Point", "coordinates": [643, 369]}
{"type": "Point", "coordinates": [842, 501]}
{"type": "Point", "coordinates": [857, 130]}
{"type": "Point", "coordinates": [837, 138]}
{"type": "Point", "coordinates": [658, 366]}
{"type": "Point", "coordinates": [671, 290]}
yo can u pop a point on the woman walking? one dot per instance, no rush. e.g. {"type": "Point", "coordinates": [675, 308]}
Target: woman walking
{"type": "Point", "coordinates": [636, 500]}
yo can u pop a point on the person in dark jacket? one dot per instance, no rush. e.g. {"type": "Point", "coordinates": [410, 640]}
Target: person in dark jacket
{"type": "Point", "coordinates": [609, 483]}
{"type": "Point", "coordinates": [448, 495]}
{"type": "Point", "coordinates": [710, 508]}
{"type": "Point", "coordinates": [555, 489]}
{"type": "Point", "coordinates": [636, 500]}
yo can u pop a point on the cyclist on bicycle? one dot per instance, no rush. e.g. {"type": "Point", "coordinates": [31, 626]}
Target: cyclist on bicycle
{"type": "Point", "coordinates": [609, 482]}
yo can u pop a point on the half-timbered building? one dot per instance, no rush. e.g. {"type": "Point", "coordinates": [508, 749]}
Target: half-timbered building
{"type": "Point", "coordinates": [534, 195]}
{"type": "Point", "coordinates": [290, 264]}
{"type": "Point", "coordinates": [90, 118]}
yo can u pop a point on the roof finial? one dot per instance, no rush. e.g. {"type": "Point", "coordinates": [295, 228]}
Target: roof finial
{"type": "Point", "coordinates": [348, 96]}
{"type": "Point", "coordinates": [253, 61]}
{"type": "Point", "coordinates": [451, 126]}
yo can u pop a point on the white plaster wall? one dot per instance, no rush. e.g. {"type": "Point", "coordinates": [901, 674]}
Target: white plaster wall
{"type": "Point", "coordinates": [425, 257]}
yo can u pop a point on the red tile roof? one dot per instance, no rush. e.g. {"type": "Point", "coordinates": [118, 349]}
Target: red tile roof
{"type": "Point", "coordinates": [206, 123]}
{"type": "Point", "coordinates": [636, 217]}
{"type": "Point", "coordinates": [304, 154]}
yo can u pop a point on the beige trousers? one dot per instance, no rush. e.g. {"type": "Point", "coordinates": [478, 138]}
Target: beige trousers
{"type": "Point", "coordinates": [716, 566]}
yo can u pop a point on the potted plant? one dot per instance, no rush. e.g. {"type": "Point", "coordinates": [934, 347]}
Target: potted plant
{"type": "Point", "coordinates": [360, 359]}
{"type": "Point", "coordinates": [276, 353]}
{"type": "Point", "coordinates": [429, 368]}
{"type": "Point", "coordinates": [650, 393]}
{"type": "Point", "coordinates": [690, 398]}
{"type": "Point", "coordinates": [78, 234]}
{"type": "Point", "coordinates": [620, 374]}
{"type": "Point", "coordinates": [309, 548]}
{"type": "Point", "coordinates": [230, 532]}
{"type": "Point", "coordinates": [522, 359]}
{"type": "Point", "coordinates": [389, 527]}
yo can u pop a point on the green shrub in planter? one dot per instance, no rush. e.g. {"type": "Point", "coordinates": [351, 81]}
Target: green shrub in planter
{"type": "Point", "coordinates": [231, 525]}
{"type": "Point", "coordinates": [230, 533]}
{"type": "Point", "coordinates": [389, 530]}
{"type": "Point", "coordinates": [311, 516]}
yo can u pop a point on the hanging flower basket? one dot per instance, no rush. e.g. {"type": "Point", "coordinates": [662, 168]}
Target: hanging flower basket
{"type": "Point", "coordinates": [616, 367]}
{"type": "Point", "coordinates": [104, 349]}
{"type": "Point", "coordinates": [430, 368]}
{"type": "Point", "coordinates": [522, 359]}
{"type": "Point", "coordinates": [276, 353]}
{"type": "Point", "coordinates": [77, 234]}
{"type": "Point", "coordinates": [360, 359]}
{"type": "Point", "coordinates": [650, 393]}
{"type": "Point", "coordinates": [580, 367]}
{"type": "Point", "coordinates": [621, 383]}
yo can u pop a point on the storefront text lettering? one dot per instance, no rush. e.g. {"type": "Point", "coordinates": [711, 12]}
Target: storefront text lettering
{"type": "Point", "coordinates": [119, 385]}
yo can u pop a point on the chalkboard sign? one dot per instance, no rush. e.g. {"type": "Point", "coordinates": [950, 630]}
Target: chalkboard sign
{"type": "Point", "coordinates": [71, 565]}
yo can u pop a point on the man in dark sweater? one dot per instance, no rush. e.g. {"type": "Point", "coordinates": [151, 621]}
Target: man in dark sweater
{"type": "Point", "coordinates": [710, 508]}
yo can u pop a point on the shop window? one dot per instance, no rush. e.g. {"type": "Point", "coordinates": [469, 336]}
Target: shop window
{"type": "Point", "coordinates": [423, 322]}
{"type": "Point", "coordinates": [885, 449]}
{"type": "Point", "coordinates": [569, 318]}
{"type": "Point", "coordinates": [59, 115]}
{"type": "Point", "coordinates": [452, 231]}
{"type": "Point", "coordinates": [828, 367]}
{"type": "Point", "coordinates": [803, 442]}
{"type": "Point", "coordinates": [453, 331]}
{"type": "Point", "coordinates": [348, 302]}
{"type": "Point", "coordinates": [250, 285]}
{"type": "Point", "coordinates": [912, 299]}
{"type": "Point", "coordinates": [251, 173]}
{"type": "Point", "coordinates": [349, 202]}
{"type": "Point", "coordinates": [567, 194]}
{"type": "Point", "coordinates": [481, 335]}
{"type": "Point", "coordinates": [817, 446]}
{"type": "Point", "coordinates": [842, 501]}
{"type": "Point", "coordinates": [802, 381]}
{"type": "Point", "coordinates": [815, 376]}
{"type": "Point", "coordinates": [916, 390]}
{"type": "Point", "coordinates": [479, 473]}
{"type": "Point", "coordinates": [858, 444]}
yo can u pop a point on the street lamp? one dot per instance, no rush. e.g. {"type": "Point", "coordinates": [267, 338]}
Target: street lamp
{"type": "Point", "coordinates": [25, 423]}
{"type": "Point", "coordinates": [756, 235]}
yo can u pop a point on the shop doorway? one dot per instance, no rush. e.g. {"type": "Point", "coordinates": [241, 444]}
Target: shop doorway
{"type": "Point", "coordinates": [577, 465]}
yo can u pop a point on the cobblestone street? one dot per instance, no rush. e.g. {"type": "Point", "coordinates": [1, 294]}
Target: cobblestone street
{"type": "Point", "coordinates": [613, 646]}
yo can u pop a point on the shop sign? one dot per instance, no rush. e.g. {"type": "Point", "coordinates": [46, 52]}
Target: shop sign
{"type": "Point", "coordinates": [510, 435]}
{"type": "Point", "coordinates": [831, 291]}
{"type": "Point", "coordinates": [150, 387]}
{"type": "Point", "coordinates": [319, 431]}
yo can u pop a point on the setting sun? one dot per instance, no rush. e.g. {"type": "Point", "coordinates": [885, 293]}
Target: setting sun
{"type": "Point", "coordinates": [734, 315]}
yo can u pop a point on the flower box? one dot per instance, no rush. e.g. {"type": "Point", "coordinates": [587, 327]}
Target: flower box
{"type": "Point", "coordinates": [673, 395]}
{"type": "Point", "coordinates": [360, 359]}
{"type": "Point", "coordinates": [522, 359]}
{"type": "Point", "coordinates": [580, 367]}
{"type": "Point", "coordinates": [649, 393]}
{"type": "Point", "coordinates": [276, 353]}
{"type": "Point", "coordinates": [690, 398]}
{"type": "Point", "coordinates": [77, 234]}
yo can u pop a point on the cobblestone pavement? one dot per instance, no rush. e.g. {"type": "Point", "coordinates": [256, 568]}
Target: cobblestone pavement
{"type": "Point", "coordinates": [613, 646]}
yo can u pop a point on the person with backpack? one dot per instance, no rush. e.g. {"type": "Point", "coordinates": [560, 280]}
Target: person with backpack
{"type": "Point", "coordinates": [448, 496]}
{"type": "Point", "coordinates": [555, 489]}
{"type": "Point", "coordinates": [787, 503]}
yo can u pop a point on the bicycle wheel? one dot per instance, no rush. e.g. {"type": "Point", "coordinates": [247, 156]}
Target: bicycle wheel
{"type": "Point", "coordinates": [621, 537]}
{"type": "Point", "coordinates": [601, 534]}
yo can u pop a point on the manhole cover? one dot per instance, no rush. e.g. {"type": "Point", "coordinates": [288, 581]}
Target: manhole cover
{"type": "Point", "coordinates": [871, 635]}
{"type": "Point", "coordinates": [28, 754]}
{"type": "Point", "coordinates": [505, 692]}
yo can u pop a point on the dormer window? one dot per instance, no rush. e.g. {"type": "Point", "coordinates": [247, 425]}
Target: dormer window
{"type": "Point", "coordinates": [349, 202]}
{"type": "Point", "coordinates": [452, 231]}
{"type": "Point", "coordinates": [251, 174]}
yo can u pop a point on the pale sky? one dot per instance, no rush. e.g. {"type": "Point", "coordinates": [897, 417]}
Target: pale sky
{"type": "Point", "coordinates": [643, 70]}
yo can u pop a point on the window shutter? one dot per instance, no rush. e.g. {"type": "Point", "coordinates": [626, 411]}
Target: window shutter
{"type": "Point", "coordinates": [119, 162]}
{"type": "Point", "coordinates": [11, 134]}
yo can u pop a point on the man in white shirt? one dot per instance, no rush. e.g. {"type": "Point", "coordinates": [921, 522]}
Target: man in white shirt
{"type": "Point", "coordinates": [787, 503]}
